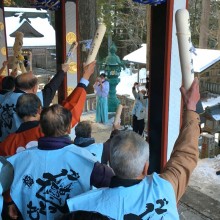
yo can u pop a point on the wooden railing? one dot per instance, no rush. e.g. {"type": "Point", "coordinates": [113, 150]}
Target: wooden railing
{"type": "Point", "coordinates": [90, 104]}
{"type": "Point", "coordinates": [210, 87]}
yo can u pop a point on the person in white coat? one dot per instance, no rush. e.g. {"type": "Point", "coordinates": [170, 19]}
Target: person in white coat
{"type": "Point", "coordinates": [139, 110]}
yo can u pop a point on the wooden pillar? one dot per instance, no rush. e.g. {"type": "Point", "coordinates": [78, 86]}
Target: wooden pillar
{"type": "Point", "coordinates": [157, 77]}
{"type": "Point", "coordinates": [61, 47]}
{"type": "Point", "coordinates": [208, 146]}
{"type": "Point", "coordinates": [3, 44]}
{"type": "Point", "coordinates": [165, 81]}
{"type": "Point", "coordinates": [66, 30]}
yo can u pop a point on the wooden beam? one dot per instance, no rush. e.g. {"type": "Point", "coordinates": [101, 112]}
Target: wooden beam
{"type": "Point", "coordinates": [60, 27]}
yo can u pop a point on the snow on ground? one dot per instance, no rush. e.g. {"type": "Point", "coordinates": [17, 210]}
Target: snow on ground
{"type": "Point", "coordinates": [127, 81]}
{"type": "Point", "coordinates": [204, 177]}
{"type": "Point", "coordinates": [210, 102]}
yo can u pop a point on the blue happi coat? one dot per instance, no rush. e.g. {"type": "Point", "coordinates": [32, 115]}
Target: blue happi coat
{"type": "Point", "coordinates": [96, 149]}
{"type": "Point", "coordinates": [45, 179]}
{"type": "Point", "coordinates": [9, 121]}
{"type": "Point", "coordinates": [151, 199]}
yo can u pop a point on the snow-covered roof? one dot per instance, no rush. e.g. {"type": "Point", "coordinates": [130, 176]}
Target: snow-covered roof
{"type": "Point", "coordinates": [138, 56]}
{"type": "Point", "coordinates": [204, 58]}
{"type": "Point", "coordinates": [15, 9]}
{"type": "Point", "coordinates": [40, 24]}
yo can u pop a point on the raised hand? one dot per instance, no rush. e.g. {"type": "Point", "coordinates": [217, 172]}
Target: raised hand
{"type": "Point", "coordinates": [89, 70]}
{"type": "Point", "coordinates": [191, 96]}
{"type": "Point", "coordinates": [65, 67]}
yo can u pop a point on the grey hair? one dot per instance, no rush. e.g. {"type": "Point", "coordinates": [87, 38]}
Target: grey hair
{"type": "Point", "coordinates": [128, 154]}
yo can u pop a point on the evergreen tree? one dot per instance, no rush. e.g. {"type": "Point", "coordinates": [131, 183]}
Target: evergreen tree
{"type": "Point", "coordinates": [126, 24]}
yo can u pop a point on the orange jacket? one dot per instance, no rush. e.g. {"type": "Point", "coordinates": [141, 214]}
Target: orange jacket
{"type": "Point", "coordinates": [74, 102]}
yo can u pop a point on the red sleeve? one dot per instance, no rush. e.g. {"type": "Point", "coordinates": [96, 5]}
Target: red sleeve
{"type": "Point", "coordinates": [7, 197]}
{"type": "Point", "coordinates": [75, 103]}
{"type": "Point", "coordinates": [5, 146]}
{"type": "Point", "coordinates": [1, 78]}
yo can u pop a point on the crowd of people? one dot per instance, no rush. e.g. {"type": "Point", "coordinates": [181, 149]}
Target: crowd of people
{"type": "Point", "coordinates": [46, 175]}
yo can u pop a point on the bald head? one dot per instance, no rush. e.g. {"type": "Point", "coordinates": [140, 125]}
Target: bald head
{"type": "Point", "coordinates": [26, 81]}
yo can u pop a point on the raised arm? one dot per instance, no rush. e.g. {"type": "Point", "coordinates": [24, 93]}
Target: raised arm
{"type": "Point", "coordinates": [185, 153]}
{"type": "Point", "coordinates": [76, 100]}
{"type": "Point", "coordinates": [50, 88]}
{"type": "Point", "coordinates": [134, 91]}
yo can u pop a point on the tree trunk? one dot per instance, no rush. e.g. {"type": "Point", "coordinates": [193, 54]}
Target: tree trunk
{"type": "Point", "coordinates": [204, 24]}
{"type": "Point", "coordinates": [87, 27]}
{"type": "Point", "coordinates": [218, 37]}
{"type": "Point", "coordinates": [148, 36]}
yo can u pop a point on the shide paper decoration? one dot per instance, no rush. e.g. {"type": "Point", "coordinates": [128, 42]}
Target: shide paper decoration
{"type": "Point", "coordinates": [150, 2]}
{"type": "Point", "coordinates": [46, 4]}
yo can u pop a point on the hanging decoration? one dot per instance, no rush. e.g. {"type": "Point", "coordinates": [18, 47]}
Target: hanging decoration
{"type": "Point", "coordinates": [150, 2]}
{"type": "Point", "coordinates": [45, 4]}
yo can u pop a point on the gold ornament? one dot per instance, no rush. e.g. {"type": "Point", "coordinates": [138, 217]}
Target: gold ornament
{"type": "Point", "coordinates": [3, 51]}
{"type": "Point", "coordinates": [4, 72]}
{"type": "Point", "coordinates": [70, 38]}
{"type": "Point", "coordinates": [20, 57]}
{"type": "Point", "coordinates": [69, 90]}
{"type": "Point", "coordinates": [72, 67]}
{"type": "Point", "coordinates": [1, 26]}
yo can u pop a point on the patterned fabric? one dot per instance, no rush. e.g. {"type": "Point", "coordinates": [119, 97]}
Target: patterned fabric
{"type": "Point", "coordinates": [153, 198]}
{"type": "Point", "coordinates": [47, 178]}
{"type": "Point", "coordinates": [9, 121]}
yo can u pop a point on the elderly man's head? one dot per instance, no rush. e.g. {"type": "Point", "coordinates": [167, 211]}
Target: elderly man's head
{"type": "Point", "coordinates": [129, 155]}
{"type": "Point", "coordinates": [27, 82]}
{"type": "Point", "coordinates": [55, 121]}
{"type": "Point", "coordinates": [28, 105]}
